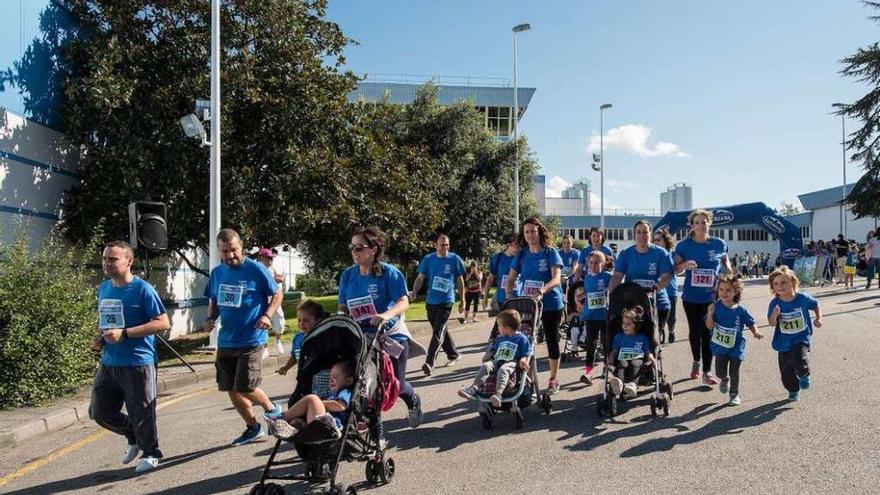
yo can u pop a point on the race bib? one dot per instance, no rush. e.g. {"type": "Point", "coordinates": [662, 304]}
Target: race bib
{"type": "Point", "coordinates": [230, 295]}
{"type": "Point", "coordinates": [566, 271]}
{"type": "Point", "coordinates": [506, 351]}
{"type": "Point", "coordinates": [629, 353]}
{"type": "Point", "coordinates": [441, 284]}
{"type": "Point", "coordinates": [648, 284]}
{"type": "Point", "coordinates": [596, 300]}
{"type": "Point", "coordinates": [723, 336]}
{"type": "Point", "coordinates": [532, 287]}
{"type": "Point", "coordinates": [111, 315]}
{"type": "Point", "coordinates": [503, 282]}
{"type": "Point", "coordinates": [702, 277]}
{"type": "Point", "coordinates": [361, 308]}
{"type": "Point", "coordinates": [792, 322]}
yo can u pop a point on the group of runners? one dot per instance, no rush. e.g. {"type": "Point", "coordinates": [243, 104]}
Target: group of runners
{"type": "Point", "coordinates": [244, 295]}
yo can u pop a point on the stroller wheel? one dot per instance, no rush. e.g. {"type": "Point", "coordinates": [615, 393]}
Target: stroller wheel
{"type": "Point", "coordinates": [386, 470]}
{"type": "Point", "coordinates": [612, 406]}
{"type": "Point", "coordinates": [518, 420]}
{"type": "Point", "coordinates": [267, 489]}
{"type": "Point", "coordinates": [665, 409]}
{"type": "Point", "coordinates": [486, 420]}
{"type": "Point", "coordinates": [371, 471]}
{"type": "Point", "coordinates": [546, 403]}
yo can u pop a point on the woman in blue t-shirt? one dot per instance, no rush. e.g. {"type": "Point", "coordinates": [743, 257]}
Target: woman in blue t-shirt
{"type": "Point", "coordinates": [373, 292]}
{"type": "Point", "coordinates": [701, 256]}
{"type": "Point", "coordinates": [597, 243]}
{"type": "Point", "coordinates": [539, 266]}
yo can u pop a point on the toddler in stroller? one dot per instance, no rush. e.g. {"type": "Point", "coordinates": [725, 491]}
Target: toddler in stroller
{"type": "Point", "coordinates": [630, 350]}
{"type": "Point", "coordinates": [330, 408]}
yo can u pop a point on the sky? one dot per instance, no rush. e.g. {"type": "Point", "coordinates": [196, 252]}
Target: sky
{"type": "Point", "coordinates": [733, 98]}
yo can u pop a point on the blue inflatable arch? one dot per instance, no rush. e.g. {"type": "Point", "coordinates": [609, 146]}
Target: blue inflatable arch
{"type": "Point", "coordinates": [791, 243]}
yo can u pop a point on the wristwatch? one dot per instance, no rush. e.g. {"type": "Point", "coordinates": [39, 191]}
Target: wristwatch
{"type": "Point", "coordinates": [124, 333]}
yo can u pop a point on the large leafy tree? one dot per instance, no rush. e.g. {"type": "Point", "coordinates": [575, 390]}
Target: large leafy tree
{"type": "Point", "coordinates": [864, 66]}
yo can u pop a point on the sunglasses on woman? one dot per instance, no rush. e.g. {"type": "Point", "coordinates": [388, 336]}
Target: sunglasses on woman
{"type": "Point", "coordinates": [357, 247]}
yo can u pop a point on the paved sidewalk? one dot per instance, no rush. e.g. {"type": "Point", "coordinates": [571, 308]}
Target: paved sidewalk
{"type": "Point", "coordinates": [18, 426]}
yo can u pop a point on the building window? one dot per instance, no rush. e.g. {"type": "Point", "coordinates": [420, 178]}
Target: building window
{"type": "Point", "coordinates": [615, 234]}
{"type": "Point", "coordinates": [719, 233]}
{"type": "Point", "coordinates": [582, 234]}
{"type": "Point", "coordinates": [498, 119]}
{"type": "Point", "coordinates": [730, 234]}
{"type": "Point", "coordinates": [805, 232]}
{"type": "Point", "coordinates": [752, 235]}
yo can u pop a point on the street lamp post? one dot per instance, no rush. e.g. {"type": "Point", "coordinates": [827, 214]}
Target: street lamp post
{"type": "Point", "coordinates": [516, 30]}
{"type": "Point", "coordinates": [214, 201]}
{"type": "Point", "coordinates": [602, 109]}
{"type": "Point", "coordinates": [843, 221]}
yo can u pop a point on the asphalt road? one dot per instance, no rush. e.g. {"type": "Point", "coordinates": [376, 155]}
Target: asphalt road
{"type": "Point", "coordinates": [829, 441]}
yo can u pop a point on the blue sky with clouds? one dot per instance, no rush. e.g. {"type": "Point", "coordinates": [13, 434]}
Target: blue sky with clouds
{"type": "Point", "coordinates": [731, 97]}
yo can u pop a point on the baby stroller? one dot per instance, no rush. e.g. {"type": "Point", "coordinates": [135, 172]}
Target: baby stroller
{"type": "Point", "coordinates": [337, 338]}
{"type": "Point", "coordinates": [629, 295]}
{"type": "Point", "coordinates": [570, 349]}
{"type": "Point", "coordinates": [523, 387]}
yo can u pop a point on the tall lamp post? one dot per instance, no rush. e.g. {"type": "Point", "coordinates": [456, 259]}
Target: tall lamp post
{"type": "Point", "coordinates": [602, 109]}
{"type": "Point", "coordinates": [214, 209]}
{"type": "Point", "coordinates": [516, 30]}
{"type": "Point", "coordinates": [843, 222]}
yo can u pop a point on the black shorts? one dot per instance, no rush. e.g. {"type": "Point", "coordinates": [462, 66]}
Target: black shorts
{"type": "Point", "coordinates": [239, 369]}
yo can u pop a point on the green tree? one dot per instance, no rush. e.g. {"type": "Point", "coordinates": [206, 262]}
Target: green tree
{"type": "Point", "coordinates": [864, 66]}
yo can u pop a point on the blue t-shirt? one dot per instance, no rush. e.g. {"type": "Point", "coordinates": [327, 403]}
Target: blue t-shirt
{"type": "Point", "coordinates": [242, 295]}
{"type": "Point", "coordinates": [596, 293]}
{"type": "Point", "coordinates": [124, 307]}
{"type": "Point", "coordinates": [629, 347]}
{"type": "Point", "coordinates": [699, 284]}
{"type": "Point", "coordinates": [342, 395]}
{"type": "Point", "coordinates": [646, 269]}
{"type": "Point", "coordinates": [588, 250]}
{"type": "Point", "coordinates": [850, 259]}
{"type": "Point", "coordinates": [296, 345]}
{"type": "Point", "coordinates": [568, 261]}
{"type": "Point", "coordinates": [499, 266]}
{"type": "Point", "coordinates": [511, 347]}
{"type": "Point", "coordinates": [368, 295]}
{"type": "Point", "coordinates": [535, 270]}
{"type": "Point", "coordinates": [441, 275]}
{"type": "Point", "coordinates": [794, 325]}
{"type": "Point", "coordinates": [728, 336]}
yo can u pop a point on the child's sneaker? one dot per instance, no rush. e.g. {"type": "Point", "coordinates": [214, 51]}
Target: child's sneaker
{"type": "Point", "coordinates": [553, 386]}
{"type": "Point", "coordinates": [275, 413]}
{"type": "Point", "coordinates": [794, 396]}
{"type": "Point", "coordinates": [496, 400]}
{"type": "Point", "coordinates": [724, 386]}
{"type": "Point", "coordinates": [282, 429]}
{"type": "Point", "coordinates": [805, 382]}
{"type": "Point", "coordinates": [616, 385]}
{"type": "Point", "coordinates": [630, 390]}
{"type": "Point", "coordinates": [695, 370]}
{"type": "Point", "coordinates": [734, 400]}
{"type": "Point", "coordinates": [710, 379]}
{"type": "Point", "coordinates": [468, 393]}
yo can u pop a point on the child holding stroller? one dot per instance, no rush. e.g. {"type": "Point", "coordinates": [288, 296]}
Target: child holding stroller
{"type": "Point", "coordinates": [510, 349]}
{"type": "Point", "coordinates": [308, 314]}
{"type": "Point", "coordinates": [593, 306]}
{"type": "Point", "coordinates": [788, 312]}
{"type": "Point", "coordinates": [727, 320]}
{"type": "Point", "coordinates": [630, 351]}
{"type": "Point", "coordinates": [329, 409]}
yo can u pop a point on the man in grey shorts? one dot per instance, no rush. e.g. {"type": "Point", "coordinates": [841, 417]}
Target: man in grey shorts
{"type": "Point", "coordinates": [129, 314]}
{"type": "Point", "coordinates": [244, 295]}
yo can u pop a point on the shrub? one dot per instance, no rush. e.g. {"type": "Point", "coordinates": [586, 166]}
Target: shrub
{"type": "Point", "coordinates": [317, 284]}
{"type": "Point", "coordinates": [48, 319]}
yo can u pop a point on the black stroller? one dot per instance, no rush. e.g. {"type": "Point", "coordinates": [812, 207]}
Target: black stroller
{"type": "Point", "coordinates": [337, 338]}
{"type": "Point", "coordinates": [524, 387]}
{"type": "Point", "coordinates": [629, 295]}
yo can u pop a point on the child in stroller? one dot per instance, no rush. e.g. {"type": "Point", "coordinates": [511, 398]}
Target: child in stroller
{"type": "Point", "coordinates": [330, 408]}
{"type": "Point", "coordinates": [630, 350]}
{"type": "Point", "coordinates": [511, 349]}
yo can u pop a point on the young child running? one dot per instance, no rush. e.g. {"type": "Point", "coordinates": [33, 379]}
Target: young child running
{"type": "Point", "coordinates": [594, 307]}
{"type": "Point", "coordinates": [308, 314]}
{"type": "Point", "coordinates": [630, 350]}
{"type": "Point", "coordinates": [510, 348]}
{"type": "Point", "coordinates": [789, 313]}
{"type": "Point", "coordinates": [727, 320]}
{"type": "Point", "coordinates": [330, 409]}
{"type": "Point", "coordinates": [849, 267]}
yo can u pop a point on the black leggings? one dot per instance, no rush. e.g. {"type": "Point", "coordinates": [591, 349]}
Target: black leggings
{"type": "Point", "coordinates": [662, 316]}
{"type": "Point", "coordinates": [699, 336]}
{"type": "Point", "coordinates": [550, 321]}
{"type": "Point", "coordinates": [471, 298]}
{"type": "Point", "coordinates": [595, 331]}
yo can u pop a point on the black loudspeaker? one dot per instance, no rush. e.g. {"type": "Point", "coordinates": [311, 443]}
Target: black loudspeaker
{"type": "Point", "coordinates": [147, 226]}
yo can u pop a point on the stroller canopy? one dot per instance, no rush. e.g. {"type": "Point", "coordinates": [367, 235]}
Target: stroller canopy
{"type": "Point", "coordinates": [337, 338]}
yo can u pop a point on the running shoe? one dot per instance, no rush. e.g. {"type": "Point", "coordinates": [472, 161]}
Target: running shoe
{"type": "Point", "coordinates": [695, 370]}
{"type": "Point", "coordinates": [724, 386]}
{"type": "Point", "coordinates": [671, 337]}
{"type": "Point", "coordinates": [553, 386]}
{"type": "Point", "coordinates": [131, 452]}
{"type": "Point", "coordinates": [452, 361]}
{"type": "Point", "coordinates": [468, 393]}
{"type": "Point", "coordinates": [805, 382]}
{"type": "Point", "coordinates": [250, 434]}
{"type": "Point", "coordinates": [147, 463]}
{"type": "Point", "coordinates": [616, 385]}
{"type": "Point", "coordinates": [496, 401]}
{"type": "Point", "coordinates": [585, 379]}
{"type": "Point", "coordinates": [735, 400]}
{"type": "Point", "coordinates": [710, 379]}
{"type": "Point", "coordinates": [427, 369]}
{"type": "Point", "coordinates": [275, 413]}
{"type": "Point", "coordinates": [794, 396]}
{"type": "Point", "coordinates": [282, 429]}
{"type": "Point", "coordinates": [415, 412]}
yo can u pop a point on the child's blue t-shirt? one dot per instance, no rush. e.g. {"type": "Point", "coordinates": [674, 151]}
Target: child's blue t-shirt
{"type": "Point", "coordinates": [535, 270]}
{"type": "Point", "coordinates": [368, 295]}
{"type": "Point", "coordinates": [631, 347]}
{"type": "Point", "coordinates": [568, 261]}
{"type": "Point", "coordinates": [850, 259]}
{"type": "Point", "coordinates": [296, 345]}
{"type": "Point", "coordinates": [129, 306]}
{"type": "Point", "coordinates": [794, 325]}
{"type": "Point", "coordinates": [511, 347]}
{"type": "Point", "coordinates": [646, 269]}
{"type": "Point", "coordinates": [728, 336]}
{"type": "Point", "coordinates": [441, 274]}
{"type": "Point", "coordinates": [342, 395]}
{"type": "Point", "coordinates": [699, 283]}
{"type": "Point", "coordinates": [499, 266]}
{"type": "Point", "coordinates": [596, 296]}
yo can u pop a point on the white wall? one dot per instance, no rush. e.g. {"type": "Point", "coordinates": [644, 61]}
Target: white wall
{"type": "Point", "coordinates": [826, 225]}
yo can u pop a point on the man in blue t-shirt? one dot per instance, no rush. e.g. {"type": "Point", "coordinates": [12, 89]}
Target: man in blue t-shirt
{"type": "Point", "coordinates": [499, 266]}
{"type": "Point", "coordinates": [130, 313]}
{"type": "Point", "coordinates": [444, 272]}
{"type": "Point", "coordinates": [244, 295]}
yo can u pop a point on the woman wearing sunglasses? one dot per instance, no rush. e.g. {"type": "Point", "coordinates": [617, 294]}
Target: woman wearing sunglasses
{"type": "Point", "coordinates": [373, 293]}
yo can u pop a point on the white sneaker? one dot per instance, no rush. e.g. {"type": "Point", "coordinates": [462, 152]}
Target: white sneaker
{"type": "Point", "coordinates": [452, 362]}
{"type": "Point", "coordinates": [146, 464]}
{"type": "Point", "coordinates": [279, 347]}
{"type": "Point", "coordinates": [616, 385]}
{"type": "Point", "coordinates": [630, 390]}
{"type": "Point", "coordinates": [131, 452]}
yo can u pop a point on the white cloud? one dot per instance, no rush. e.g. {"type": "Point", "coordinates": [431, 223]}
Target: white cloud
{"type": "Point", "coordinates": [636, 138]}
{"type": "Point", "coordinates": [616, 185]}
{"type": "Point", "coordinates": [595, 204]}
{"type": "Point", "coordinates": [554, 187]}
